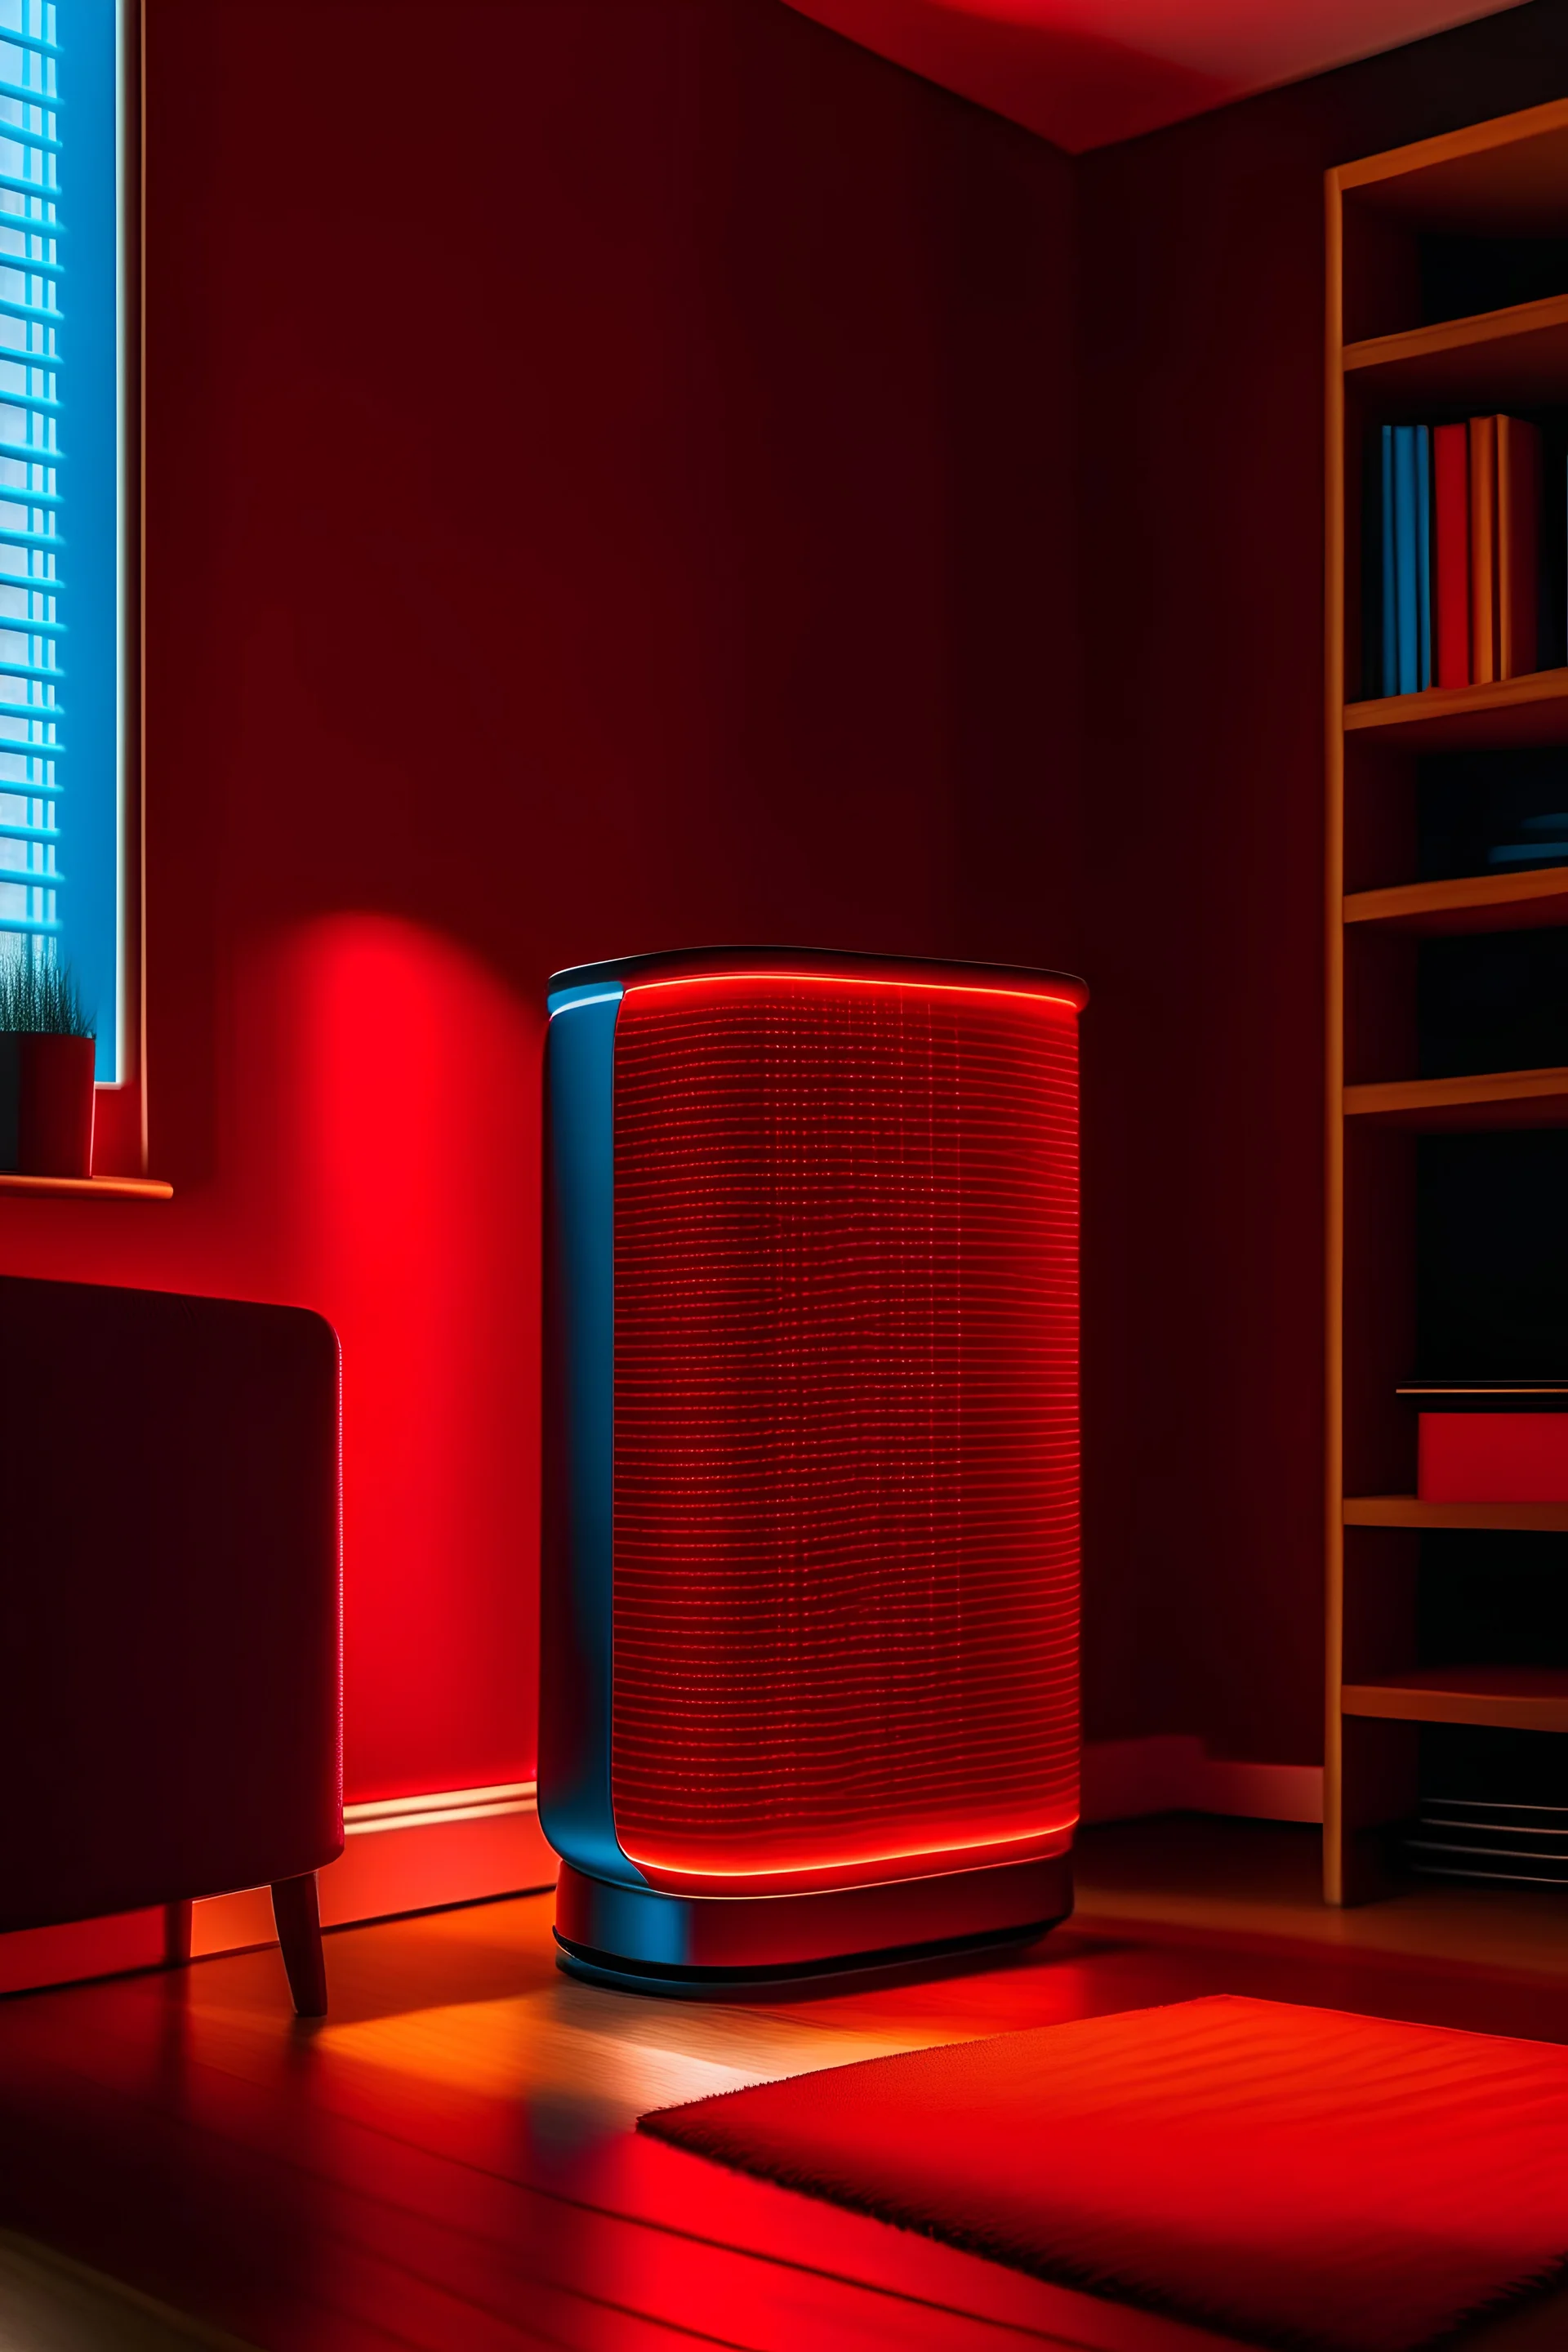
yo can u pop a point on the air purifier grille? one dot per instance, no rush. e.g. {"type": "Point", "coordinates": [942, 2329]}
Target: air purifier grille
{"type": "Point", "coordinates": [846, 1429]}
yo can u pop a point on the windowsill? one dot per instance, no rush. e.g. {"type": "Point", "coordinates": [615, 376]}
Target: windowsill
{"type": "Point", "coordinates": [92, 1188]}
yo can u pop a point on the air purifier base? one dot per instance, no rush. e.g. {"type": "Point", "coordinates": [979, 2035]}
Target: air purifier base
{"type": "Point", "coordinates": [644, 1940]}
{"type": "Point", "coordinates": [717, 1984]}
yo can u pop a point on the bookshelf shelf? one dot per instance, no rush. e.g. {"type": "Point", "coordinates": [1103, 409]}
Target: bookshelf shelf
{"type": "Point", "coordinates": [1513, 713]}
{"type": "Point", "coordinates": [1408, 1511]}
{"type": "Point", "coordinates": [1492, 1098]}
{"type": "Point", "coordinates": [1517, 356]}
{"type": "Point", "coordinates": [1476, 902]}
{"type": "Point", "coordinates": [86, 1188]}
{"type": "Point", "coordinates": [1394, 1254]}
{"type": "Point", "coordinates": [1506, 1698]}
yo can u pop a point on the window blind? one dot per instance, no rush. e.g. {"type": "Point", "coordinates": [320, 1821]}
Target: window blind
{"type": "Point", "coordinates": [32, 581]}
{"type": "Point", "coordinates": [59, 492]}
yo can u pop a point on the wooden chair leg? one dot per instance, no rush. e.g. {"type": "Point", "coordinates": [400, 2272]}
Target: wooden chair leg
{"type": "Point", "coordinates": [176, 1934]}
{"type": "Point", "coordinates": [299, 1918]}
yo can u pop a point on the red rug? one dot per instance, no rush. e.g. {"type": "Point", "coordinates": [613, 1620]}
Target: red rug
{"type": "Point", "coordinates": [1294, 2177]}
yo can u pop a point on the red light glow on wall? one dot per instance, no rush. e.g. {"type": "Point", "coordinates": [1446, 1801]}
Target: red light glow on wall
{"type": "Point", "coordinates": [413, 1202]}
{"type": "Point", "coordinates": [846, 1474]}
{"type": "Point", "coordinates": [1085, 72]}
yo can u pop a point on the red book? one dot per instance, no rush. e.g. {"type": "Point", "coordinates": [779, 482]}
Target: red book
{"type": "Point", "coordinates": [1493, 1457]}
{"type": "Point", "coordinates": [1451, 544]}
{"type": "Point", "coordinates": [1483, 550]}
{"type": "Point", "coordinates": [1518, 544]}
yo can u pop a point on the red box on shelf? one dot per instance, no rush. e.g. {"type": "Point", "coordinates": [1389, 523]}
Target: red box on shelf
{"type": "Point", "coordinates": [1492, 1457]}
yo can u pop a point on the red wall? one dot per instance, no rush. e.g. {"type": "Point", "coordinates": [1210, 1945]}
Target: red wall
{"type": "Point", "coordinates": [609, 486]}
{"type": "Point", "coordinates": [611, 470]}
{"type": "Point", "coordinates": [1202, 403]}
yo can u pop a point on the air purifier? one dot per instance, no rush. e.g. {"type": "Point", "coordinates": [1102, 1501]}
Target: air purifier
{"type": "Point", "coordinates": [810, 1640]}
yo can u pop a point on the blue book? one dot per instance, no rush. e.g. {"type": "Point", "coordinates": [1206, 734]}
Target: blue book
{"type": "Point", "coordinates": [1390, 648]}
{"type": "Point", "coordinates": [1406, 610]}
{"type": "Point", "coordinates": [1424, 553]}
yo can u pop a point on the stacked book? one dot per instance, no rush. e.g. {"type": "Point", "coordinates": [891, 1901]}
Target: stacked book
{"type": "Point", "coordinates": [1461, 552]}
{"type": "Point", "coordinates": [1464, 1837]}
{"type": "Point", "coordinates": [1490, 1440]}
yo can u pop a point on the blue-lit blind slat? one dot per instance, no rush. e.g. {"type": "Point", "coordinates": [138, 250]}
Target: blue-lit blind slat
{"type": "Point", "coordinates": [34, 301]}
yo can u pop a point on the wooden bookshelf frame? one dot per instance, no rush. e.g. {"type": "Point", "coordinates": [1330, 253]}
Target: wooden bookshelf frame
{"type": "Point", "coordinates": [1504, 178]}
{"type": "Point", "coordinates": [1477, 902]}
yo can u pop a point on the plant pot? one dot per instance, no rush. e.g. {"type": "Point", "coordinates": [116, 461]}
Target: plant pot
{"type": "Point", "coordinates": [45, 1104]}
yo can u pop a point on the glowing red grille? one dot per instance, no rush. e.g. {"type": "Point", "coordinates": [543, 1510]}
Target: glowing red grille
{"type": "Point", "coordinates": [845, 1392]}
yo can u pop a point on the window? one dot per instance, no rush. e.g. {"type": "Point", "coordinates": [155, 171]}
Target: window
{"type": "Point", "coordinates": [62, 502]}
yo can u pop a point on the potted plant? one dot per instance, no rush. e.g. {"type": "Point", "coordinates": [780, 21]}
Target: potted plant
{"type": "Point", "coordinates": [48, 1050]}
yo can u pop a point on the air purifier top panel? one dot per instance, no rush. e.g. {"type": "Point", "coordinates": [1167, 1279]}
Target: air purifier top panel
{"type": "Point", "coordinates": [816, 1263]}
{"type": "Point", "coordinates": [674, 962]}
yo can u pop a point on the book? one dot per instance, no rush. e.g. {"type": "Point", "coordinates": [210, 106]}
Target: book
{"type": "Point", "coordinates": [1461, 552]}
{"type": "Point", "coordinates": [1483, 550]}
{"type": "Point", "coordinates": [1451, 547]}
{"type": "Point", "coordinates": [1518, 573]}
{"type": "Point", "coordinates": [1406, 595]}
{"type": "Point", "coordinates": [1390, 645]}
{"type": "Point", "coordinates": [1492, 1457]}
{"type": "Point", "coordinates": [1423, 557]}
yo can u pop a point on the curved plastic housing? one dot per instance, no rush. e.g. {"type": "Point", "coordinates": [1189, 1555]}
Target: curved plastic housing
{"type": "Point", "coordinates": [812, 1507]}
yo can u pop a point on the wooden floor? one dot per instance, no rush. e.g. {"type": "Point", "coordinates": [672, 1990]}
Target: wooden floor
{"type": "Point", "coordinates": [448, 2161]}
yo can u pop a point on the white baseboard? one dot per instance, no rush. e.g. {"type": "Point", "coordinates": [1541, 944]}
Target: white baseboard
{"type": "Point", "coordinates": [1125, 1779]}
{"type": "Point", "coordinates": [406, 1854]}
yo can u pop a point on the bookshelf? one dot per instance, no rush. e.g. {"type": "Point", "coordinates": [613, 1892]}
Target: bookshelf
{"type": "Point", "coordinates": [1407, 1511]}
{"type": "Point", "coordinates": [1447, 297]}
{"type": "Point", "coordinates": [1510, 714]}
{"type": "Point", "coordinates": [1472, 902]}
{"type": "Point", "coordinates": [1514, 355]}
{"type": "Point", "coordinates": [1493, 1699]}
{"type": "Point", "coordinates": [1485, 1099]}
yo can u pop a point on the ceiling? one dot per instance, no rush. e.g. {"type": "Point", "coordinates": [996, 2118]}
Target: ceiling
{"type": "Point", "coordinates": [1085, 72]}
